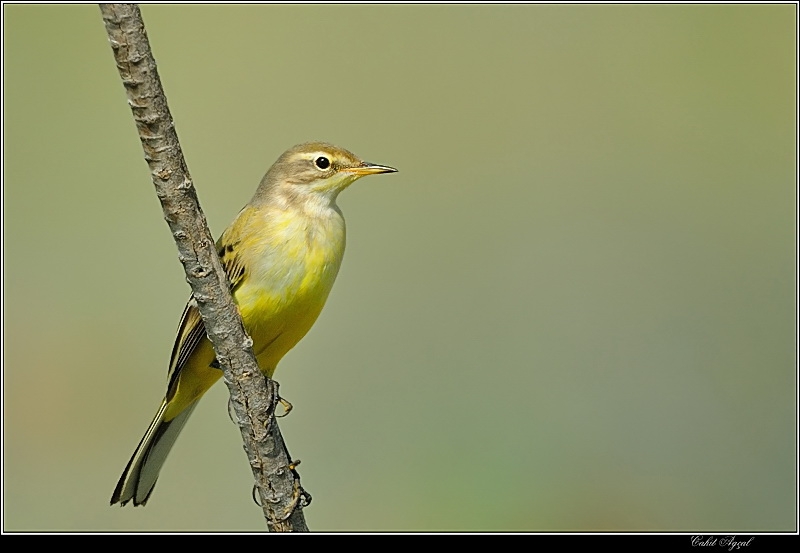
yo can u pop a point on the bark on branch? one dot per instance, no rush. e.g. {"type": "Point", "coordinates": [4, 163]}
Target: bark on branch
{"type": "Point", "coordinates": [253, 396]}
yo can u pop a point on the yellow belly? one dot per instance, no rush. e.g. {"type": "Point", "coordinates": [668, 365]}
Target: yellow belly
{"type": "Point", "coordinates": [289, 277]}
{"type": "Point", "coordinates": [277, 319]}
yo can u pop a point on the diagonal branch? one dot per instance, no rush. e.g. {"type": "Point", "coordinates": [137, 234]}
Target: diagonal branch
{"type": "Point", "coordinates": [253, 396]}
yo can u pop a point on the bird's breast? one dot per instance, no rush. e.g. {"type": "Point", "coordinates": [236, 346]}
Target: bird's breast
{"type": "Point", "coordinates": [294, 262]}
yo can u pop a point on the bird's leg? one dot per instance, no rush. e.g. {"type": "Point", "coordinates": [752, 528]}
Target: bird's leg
{"type": "Point", "coordinates": [277, 397]}
{"type": "Point", "coordinates": [232, 412]}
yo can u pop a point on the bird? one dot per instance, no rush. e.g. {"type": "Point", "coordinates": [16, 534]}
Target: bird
{"type": "Point", "coordinates": [281, 256]}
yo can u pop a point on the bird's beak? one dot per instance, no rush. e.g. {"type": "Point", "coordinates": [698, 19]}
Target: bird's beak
{"type": "Point", "coordinates": [369, 169]}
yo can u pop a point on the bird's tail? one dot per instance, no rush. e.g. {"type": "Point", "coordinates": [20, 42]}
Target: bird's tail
{"type": "Point", "coordinates": [139, 478]}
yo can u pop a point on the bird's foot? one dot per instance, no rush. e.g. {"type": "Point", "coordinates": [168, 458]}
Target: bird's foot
{"type": "Point", "coordinates": [287, 407]}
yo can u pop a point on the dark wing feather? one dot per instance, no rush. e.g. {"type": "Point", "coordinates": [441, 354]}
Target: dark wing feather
{"type": "Point", "coordinates": [191, 329]}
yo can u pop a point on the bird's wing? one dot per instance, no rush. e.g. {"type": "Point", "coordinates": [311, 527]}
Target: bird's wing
{"type": "Point", "coordinates": [191, 329]}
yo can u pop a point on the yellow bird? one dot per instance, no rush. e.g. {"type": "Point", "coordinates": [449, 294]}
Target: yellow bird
{"type": "Point", "coordinates": [281, 255]}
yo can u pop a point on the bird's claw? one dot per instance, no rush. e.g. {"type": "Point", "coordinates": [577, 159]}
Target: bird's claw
{"type": "Point", "coordinates": [287, 407]}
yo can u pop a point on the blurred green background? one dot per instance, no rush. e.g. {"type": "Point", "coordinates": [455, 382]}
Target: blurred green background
{"type": "Point", "coordinates": [572, 309]}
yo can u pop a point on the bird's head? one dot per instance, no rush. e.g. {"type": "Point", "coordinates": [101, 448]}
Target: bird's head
{"type": "Point", "coordinates": [316, 169]}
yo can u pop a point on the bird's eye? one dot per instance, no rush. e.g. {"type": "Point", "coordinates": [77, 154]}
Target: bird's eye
{"type": "Point", "coordinates": [322, 163]}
